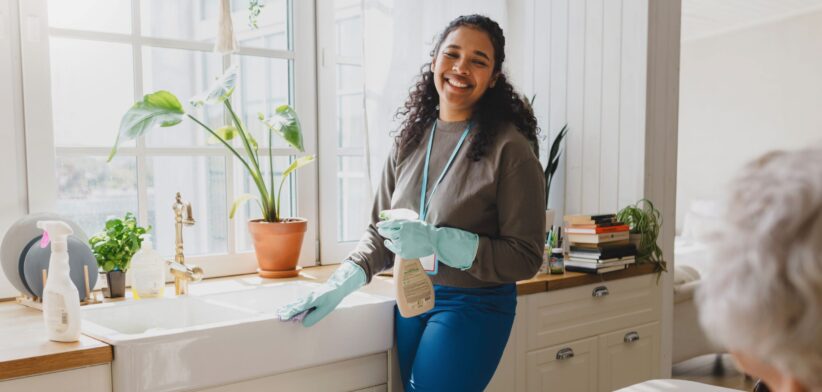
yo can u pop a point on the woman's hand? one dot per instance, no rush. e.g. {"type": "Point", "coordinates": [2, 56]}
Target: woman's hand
{"type": "Point", "coordinates": [412, 239]}
{"type": "Point", "coordinates": [346, 279]}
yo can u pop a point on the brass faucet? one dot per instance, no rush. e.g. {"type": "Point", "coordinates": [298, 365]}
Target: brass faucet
{"type": "Point", "coordinates": [183, 274]}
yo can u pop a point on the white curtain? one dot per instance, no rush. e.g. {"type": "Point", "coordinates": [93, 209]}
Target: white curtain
{"type": "Point", "coordinates": [398, 36]}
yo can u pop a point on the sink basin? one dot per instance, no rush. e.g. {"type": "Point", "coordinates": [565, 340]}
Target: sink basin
{"type": "Point", "coordinates": [207, 340]}
{"type": "Point", "coordinates": [114, 322]}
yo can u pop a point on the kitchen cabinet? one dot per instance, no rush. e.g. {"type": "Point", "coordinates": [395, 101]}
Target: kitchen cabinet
{"type": "Point", "coordinates": [597, 337]}
{"type": "Point", "coordinates": [88, 379]}
{"type": "Point", "coordinates": [366, 374]}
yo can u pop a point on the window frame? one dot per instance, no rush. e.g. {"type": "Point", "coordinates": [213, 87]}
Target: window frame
{"type": "Point", "coordinates": [332, 250]}
{"type": "Point", "coordinates": [41, 151]}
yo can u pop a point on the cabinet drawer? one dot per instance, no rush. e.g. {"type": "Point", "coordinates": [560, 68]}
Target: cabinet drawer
{"type": "Point", "coordinates": [570, 367]}
{"type": "Point", "coordinates": [628, 356]}
{"type": "Point", "coordinates": [575, 313]}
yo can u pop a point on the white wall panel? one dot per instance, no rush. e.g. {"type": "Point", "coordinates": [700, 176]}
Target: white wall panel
{"type": "Point", "coordinates": [590, 72]}
{"type": "Point", "coordinates": [612, 75]}
{"type": "Point", "coordinates": [632, 101]}
{"type": "Point", "coordinates": [611, 85]}
{"type": "Point", "coordinates": [592, 106]}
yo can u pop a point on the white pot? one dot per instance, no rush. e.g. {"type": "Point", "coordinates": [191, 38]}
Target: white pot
{"type": "Point", "coordinates": [550, 216]}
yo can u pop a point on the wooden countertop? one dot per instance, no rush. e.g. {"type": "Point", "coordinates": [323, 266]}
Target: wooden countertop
{"type": "Point", "coordinates": [542, 283]}
{"type": "Point", "coordinates": [25, 350]}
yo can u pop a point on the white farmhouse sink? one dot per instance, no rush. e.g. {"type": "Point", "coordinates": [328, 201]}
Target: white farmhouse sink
{"type": "Point", "coordinates": [194, 342]}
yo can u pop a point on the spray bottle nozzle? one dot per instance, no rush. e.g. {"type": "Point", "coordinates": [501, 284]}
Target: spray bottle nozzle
{"type": "Point", "coordinates": [58, 230]}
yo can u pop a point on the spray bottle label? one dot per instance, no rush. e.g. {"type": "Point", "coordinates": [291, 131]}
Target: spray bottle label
{"type": "Point", "coordinates": [56, 315]}
{"type": "Point", "coordinates": [414, 285]}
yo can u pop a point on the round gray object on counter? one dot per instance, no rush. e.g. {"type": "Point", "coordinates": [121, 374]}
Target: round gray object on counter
{"type": "Point", "coordinates": [19, 235]}
{"type": "Point", "coordinates": [37, 259]}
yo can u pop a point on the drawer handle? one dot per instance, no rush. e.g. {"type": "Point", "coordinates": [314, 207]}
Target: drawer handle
{"type": "Point", "coordinates": [565, 353]}
{"type": "Point", "coordinates": [600, 291]}
{"type": "Point", "coordinates": [632, 336]}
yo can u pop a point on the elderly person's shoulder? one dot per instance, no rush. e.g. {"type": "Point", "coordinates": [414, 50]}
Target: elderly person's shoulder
{"type": "Point", "coordinates": [762, 299]}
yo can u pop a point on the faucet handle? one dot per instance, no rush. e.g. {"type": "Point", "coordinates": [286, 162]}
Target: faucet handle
{"type": "Point", "coordinates": [189, 272]}
{"type": "Point", "coordinates": [188, 220]}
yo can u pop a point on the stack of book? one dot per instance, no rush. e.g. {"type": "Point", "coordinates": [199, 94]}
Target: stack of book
{"type": "Point", "coordinates": [598, 244]}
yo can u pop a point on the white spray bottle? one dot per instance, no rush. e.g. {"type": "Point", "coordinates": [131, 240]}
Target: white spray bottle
{"type": "Point", "coordinates": [61, 300]}
{"type": "Point", "coordinates": [415, 293]}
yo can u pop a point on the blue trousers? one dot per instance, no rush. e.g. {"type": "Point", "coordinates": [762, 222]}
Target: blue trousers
{"type": "Point", "coordinates": [457, 345]}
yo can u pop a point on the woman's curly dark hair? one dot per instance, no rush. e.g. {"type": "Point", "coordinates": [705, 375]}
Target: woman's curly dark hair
{"type": "Point", "coordinates": [499, 105]}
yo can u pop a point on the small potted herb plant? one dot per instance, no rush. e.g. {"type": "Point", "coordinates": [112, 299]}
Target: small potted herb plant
{"type": "Point", "coordinates": [113, 248]}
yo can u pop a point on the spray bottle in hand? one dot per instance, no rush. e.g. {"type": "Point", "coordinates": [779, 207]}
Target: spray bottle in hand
{"type": "Point", "coordinates": [415, 293]}
{"type": "Point", "coordinates": [61, 300]}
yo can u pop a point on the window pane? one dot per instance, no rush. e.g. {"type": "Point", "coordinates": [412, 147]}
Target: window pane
{"type": "Point", "coordinates": [185, 74]}
{"type": "Point", "coordinates": [350, 121]}
{"type": "Point", "coordinates": [89, 190]}
{"type": "Point", "coordinates": [354, 203]}
{"type": "Point", "coordinates": [272, 25]}
{"type": "Point", "coordinates": [198, 21]}
{"type": "Point", "coordinates": [179, 19]}
{"type": "Point", "coordinates": [111, 16]}
{"type": "Point", "coordinates": [263, 85]}
{"type": "Point", "coordinates": [91, 87]}
{"type": "Point", "coordinates": [200, 181]}
{"type": "Point", "coordinates": [347, 17]}
{"type": "Point", "coordinates": [251, 210]}
{"type": "Point", "coordinates": [349, 78]}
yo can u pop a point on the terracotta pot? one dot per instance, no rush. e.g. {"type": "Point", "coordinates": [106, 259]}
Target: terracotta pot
{"type": "Point", "coordinates": [277, 245]}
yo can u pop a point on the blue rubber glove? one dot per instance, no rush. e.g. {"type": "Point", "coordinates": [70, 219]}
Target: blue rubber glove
{"type": "Point", "coordinates": [412, 239]}
{"type": "Point", "coordinates": [345, 280]}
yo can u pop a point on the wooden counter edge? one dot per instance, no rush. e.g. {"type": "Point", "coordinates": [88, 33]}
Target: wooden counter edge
{"type": "Point", "coordinates": [541, 283]}
{"type": "Point", "coordinates": [33, 366]}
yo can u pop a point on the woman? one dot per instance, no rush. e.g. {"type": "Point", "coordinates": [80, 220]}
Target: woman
{"type": "Point", "coordinates": [468, 144]}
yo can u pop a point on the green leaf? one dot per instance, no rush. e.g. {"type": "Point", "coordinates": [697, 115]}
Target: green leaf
{"type": "Point", "coordinates": [240, 200]}
{"type": "Point", "coordinates": [159, 108]}
{"type": "Point", "coordinates": [114, 247]}
{"type": "Point", "coordinates": [219, 91]}
{"type": "Point", "coordinates": [252, 141]}
{"type": "Point", "coordinates": [286, 123]}
{"type": "Point", "coordinates": [298, 163]}
{"type": "Point", "coordinates": [226, 133]}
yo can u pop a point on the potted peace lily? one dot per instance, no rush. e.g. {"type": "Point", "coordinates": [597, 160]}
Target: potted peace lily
{"type": "Point", "coordinates": [277, 239]}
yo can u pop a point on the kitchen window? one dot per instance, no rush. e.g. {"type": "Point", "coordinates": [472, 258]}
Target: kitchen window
{"type": "Point", "coordinates": [85, 62]}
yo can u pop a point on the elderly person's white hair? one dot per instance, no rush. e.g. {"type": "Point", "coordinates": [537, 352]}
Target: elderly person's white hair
{"type": "Point", "coordinates": [764, 295]}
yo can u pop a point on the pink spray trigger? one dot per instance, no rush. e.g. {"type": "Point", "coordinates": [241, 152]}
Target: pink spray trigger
{"type": "Point", "coordinates": [44, 242]}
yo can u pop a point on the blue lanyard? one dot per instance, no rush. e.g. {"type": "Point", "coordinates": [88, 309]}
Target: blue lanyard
{"type": "Point", "coordinates": [424, 187]}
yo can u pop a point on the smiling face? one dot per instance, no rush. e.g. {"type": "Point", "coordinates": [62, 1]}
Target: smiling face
{"type": "Point", "coordinates": [463, 70]}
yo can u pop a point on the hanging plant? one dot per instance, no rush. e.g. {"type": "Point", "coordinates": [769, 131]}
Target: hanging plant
{"type": "Point", "coordinates": [254, 9]}
{"type": "Point", "coordinates": [645, 221]}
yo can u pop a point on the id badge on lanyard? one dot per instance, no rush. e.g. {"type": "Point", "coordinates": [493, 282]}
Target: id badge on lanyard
{"type": "Point", "coordinates": [429, 263]}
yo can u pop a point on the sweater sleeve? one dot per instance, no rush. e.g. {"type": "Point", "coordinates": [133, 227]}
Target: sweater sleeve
{"type": "Point", "coordinates": [516, 253]}
{"type": "Point", "coordinates": [371, 253]}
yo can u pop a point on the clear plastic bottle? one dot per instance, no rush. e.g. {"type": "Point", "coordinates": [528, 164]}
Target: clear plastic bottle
{"type": "Point", "coordinates": [148, 272]}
